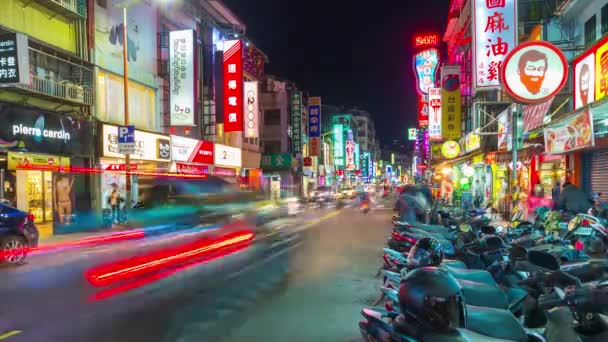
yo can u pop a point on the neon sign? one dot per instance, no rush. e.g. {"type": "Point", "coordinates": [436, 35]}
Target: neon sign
{"type": "Point", "coordinates": [426, 40]}
{"type": "Point", "coordinates": [425, 69]}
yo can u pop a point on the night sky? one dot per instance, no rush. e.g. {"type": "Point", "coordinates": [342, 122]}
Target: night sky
{"type": "Point", "coordinates": [352, 53]}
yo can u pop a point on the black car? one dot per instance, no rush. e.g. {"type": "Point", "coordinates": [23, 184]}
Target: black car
{"type": "Point", "coordinates": [18, 234]}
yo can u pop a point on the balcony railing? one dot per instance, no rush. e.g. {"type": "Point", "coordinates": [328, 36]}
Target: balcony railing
{"type": "Point", "coordinates": [68, 8]}
{"type": "Point", "coordinates": [63, 90]}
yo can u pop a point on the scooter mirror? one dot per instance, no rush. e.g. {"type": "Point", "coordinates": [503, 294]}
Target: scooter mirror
{"type": "Point", "coordinates": [543, 260]}
{"type": "Point", "coordinates": [500, 229]}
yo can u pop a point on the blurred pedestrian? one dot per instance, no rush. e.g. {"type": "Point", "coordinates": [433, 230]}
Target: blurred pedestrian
{"type": "Point", "coordinates": [114, 201]}
{"type": "Point", "coordinates": [555, 191]}
{"type": "Point", "coordinates": [573, 199]}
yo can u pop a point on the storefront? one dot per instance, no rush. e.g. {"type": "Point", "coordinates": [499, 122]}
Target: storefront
{"type": "Point", "coordinates": [227, 162]}
{"type": "Point", "coordinates": [191, 156]}
{"type": "Point", "coordinates": [152, 155]}
{"type": "Point", "coordinates": [37, 149]}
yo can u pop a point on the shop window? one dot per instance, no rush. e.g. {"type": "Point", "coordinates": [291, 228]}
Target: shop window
{"type": "Point", "coordinates": [604, 19]}
{"type": "Point", "coordinates": [590, 31]}
{"type": "Point", "coordinates": [272, 117]}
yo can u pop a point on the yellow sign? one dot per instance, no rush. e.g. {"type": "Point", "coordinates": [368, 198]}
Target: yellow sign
{"type": "Point", "coordinates": [478, 159]}
{"type": "Point", "coordinates": [472, 142]}
{"type": "Point", "coordinates": [450, 102]}
{"type": "Point", "coordinates": [601, 72]}
{"type": "Point", "coordinates": [34, 161]}
{"type": "Point", "coordinates": [450, 149]}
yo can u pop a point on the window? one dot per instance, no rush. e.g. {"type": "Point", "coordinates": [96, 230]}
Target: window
{"type": "Point", "coordinates": [590, 31]}
{"type": "Point", "coordinates": [272, 146]}
{"type": "Point", "coordinates": [272, 117]}
{"type": "Point", "coordinates": [604, 19]}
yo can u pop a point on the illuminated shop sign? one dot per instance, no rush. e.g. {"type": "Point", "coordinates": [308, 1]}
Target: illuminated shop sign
{"type": "Point", "coordinates": [233, 86]}
{"type": "Point", "coordinates": [425, 69]}
{"type": "Point", "coordinates": [422, 40]}
{"type": "Point", "coordinates": [182, 82]}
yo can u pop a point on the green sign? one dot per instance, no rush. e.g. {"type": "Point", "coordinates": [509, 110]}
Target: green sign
{"type": "Point", "coordinates": [296, 122]}
{"type": "Point", "coordinates": [276, 161]}
{"type": "Point", "coordinates": [338, 133]}
{"type": "Point", "coordinates": [412, 133]}
{"type": "Point", "coordinates": [357, 157]}
{"type": "Point", "coordinates": [366, 163]}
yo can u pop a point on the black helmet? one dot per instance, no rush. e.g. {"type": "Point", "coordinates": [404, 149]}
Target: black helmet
{"type": "Point", "coordinates": [432, 299]}
{"type": "Point", "coordinates": [426, 252]}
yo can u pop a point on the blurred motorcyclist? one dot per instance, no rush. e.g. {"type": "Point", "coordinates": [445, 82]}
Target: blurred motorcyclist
{"type": "Point", "coordinates": [573, 199]}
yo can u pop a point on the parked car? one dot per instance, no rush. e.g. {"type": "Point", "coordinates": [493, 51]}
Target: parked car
{"type": "Point", "coordinates": [18, 234]}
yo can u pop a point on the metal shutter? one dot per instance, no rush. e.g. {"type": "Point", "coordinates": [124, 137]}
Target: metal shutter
{"type": "Point", "coordinates": [599, 173]}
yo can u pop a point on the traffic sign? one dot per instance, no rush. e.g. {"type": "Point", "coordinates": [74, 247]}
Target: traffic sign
{"type": "Point", "coordinates": [126, 139]}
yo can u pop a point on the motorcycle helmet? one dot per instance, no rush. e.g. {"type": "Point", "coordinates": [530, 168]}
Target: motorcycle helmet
{"type": "Point", "coordinates": [426, 252]}
{"type": "Point", "coordinates": [432, 299]}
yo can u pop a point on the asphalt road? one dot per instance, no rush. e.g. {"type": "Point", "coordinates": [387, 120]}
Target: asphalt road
{"type": "Point", "coordinates": [306, 281]}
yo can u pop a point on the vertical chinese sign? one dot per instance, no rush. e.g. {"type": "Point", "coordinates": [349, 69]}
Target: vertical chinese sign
{"type": "Point", "coordinates": [296, 122]}
{"type": "Point", "coordinates": [338, 133]}
{"type": "Point", "coordinates": [14, 59]}
{"type": "Point", "coordinates": [233, 86]}
{"type": "Point", "coordinates": [423, 110]}
{"type": "Point", "coordinates": [181, 78]}
{"type": "Point", "coordinates": [494, 35]}
{"type": "Point", "coordinates": [252, 108]}
{"type": "Point", "coordinates": [450, 100]}
{"type": "Point", "coordinates": [314, 125]}
{"type": "Point", "coordinates": [350, 155]}
{"type": "Point", "coordinates": [435, 114]}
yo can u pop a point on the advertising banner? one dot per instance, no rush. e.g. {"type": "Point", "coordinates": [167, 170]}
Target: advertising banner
{"type": "Point", "coordinates": [426, 63]}
{"type": "Point", "coordinates": [227, 156]}
{"type": "Point", "coordinates": [591, 75]}
{"type": "Point", "coordinates": [14, 59]}
{"type": "Point", "coordinates": [27, 160]}
{"type": "Point", "coordinates": [534, 115]}
{"type": "Point", "coordinates": [314, 117]}
{"type": "Point", "coordinates": [350, 155]}
{"type": "Point", "coordinates": [296, 122]}
{"type": "Point", "coordinates": [450, 102]}
{"type": "Point", "coordinates": [33, 130]}
{"type": "Point", "coordinates": [191, 150]}
{"type": "Point", "coordinates": [434, 114]}
{"type": "Point", "coordinates": [233, 86]}
{"type": "Point", "coordinates": [181, 78]}
{"type": "Point", "coordinates": [472, 142]}
{"type": "Point", "coordinates": [141, 39]}
{"type": "Point", "coordinates": [494, 35]}
{"type": "Point", "coordinates": [252, 110]}
{"type": "Point", "coordinates": [570, 134]}
{"type": "Point", "coordinates": [191, 169]}
{"type": "Point", "coordinates": [504, 130]}
{"type": "Point", "coordinates": [423, 110]}
{"type": "Point", "coordinates": [338, 134]}
{"type": "Point", "coordinates": [148, 146]}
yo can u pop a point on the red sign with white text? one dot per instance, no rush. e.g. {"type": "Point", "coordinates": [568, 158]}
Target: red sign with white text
{"type": "Point", "coordinates": [225, 172]}
{"type": "Point", "coordinates": [423, 110]}
{"type": "Point", "coordinates": [233, 86]}
{"type": "Point", "coordinates": [191, 169]}
{"type": "Point", "coordinates": [202, 153]}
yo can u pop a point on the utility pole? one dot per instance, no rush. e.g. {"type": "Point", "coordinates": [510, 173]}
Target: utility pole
{"type": "Point", "coordinates": [516, 112]}
{"type": "Point", "coordinates": [125, 61]}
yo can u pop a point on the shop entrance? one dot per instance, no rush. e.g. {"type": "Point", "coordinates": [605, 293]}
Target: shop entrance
{"type": "Point", "coordinates": [38, 193]}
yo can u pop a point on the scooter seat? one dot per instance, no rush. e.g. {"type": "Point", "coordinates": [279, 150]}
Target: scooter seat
{"type": "Point", "coordinates": [454, 263]}
{"type": "Point", "coordinates": [485, 295]}
{"type": "Point", "coordinates": [495, 323]}
{"type": "Point", "coordinates": [479, 276]}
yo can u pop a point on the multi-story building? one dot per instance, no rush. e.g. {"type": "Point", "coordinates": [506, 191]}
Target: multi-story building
{"type": "Point", "coordinates": [46, 94]}
{"type": "Point", "coordinates": [366, 130]}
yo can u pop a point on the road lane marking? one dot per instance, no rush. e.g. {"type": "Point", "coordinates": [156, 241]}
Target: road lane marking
{"type": "Point", "coordinates": [9, 334]}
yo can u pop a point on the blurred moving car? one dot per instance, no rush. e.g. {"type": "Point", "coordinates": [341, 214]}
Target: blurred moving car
{"type": "Point", "coordinates": [348, 193]}
{"type": "Point", "coordinates": [18, 234]}
{"type": "Point", "coordinates": [322, 194]}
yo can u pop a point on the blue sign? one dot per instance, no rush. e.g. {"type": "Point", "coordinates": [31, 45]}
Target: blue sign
{"type": "Point", "coordinates": [126, 134]}
{"type": "Point", "coordinates": [314, 121]}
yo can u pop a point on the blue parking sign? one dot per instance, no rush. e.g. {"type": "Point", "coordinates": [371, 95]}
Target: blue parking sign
{"type": "Point", "coordinates": [126, 134]}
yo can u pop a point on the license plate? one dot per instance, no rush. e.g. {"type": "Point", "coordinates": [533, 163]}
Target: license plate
{"type": "Point", "coordinates": [583, 231]}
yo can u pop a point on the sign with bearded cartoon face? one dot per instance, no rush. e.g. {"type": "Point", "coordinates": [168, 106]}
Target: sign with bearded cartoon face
{"type": "Point", "coordinates": [534, 72]}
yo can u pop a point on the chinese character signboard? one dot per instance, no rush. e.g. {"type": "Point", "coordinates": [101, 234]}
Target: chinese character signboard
{"type": "Point", "coordinates": [435, 113]}
{"type": "Point", "coordinates": [357, 157]}
{"type": "Point", "coordinates": [296, 122]}
{"type": "Point", "coordinates": [338, 133]}
{"type": "Point", "coordinates": [472, 142]}
{"type": "Point", "coordinates": [571, 134]}
{"type": "Point", "coordinates": [314, 125]}
{"type": "Point", "coordinates": [494, 35]}
{"type": "Point", "coordinates": [450, 102]}
{"type": "Point", "coordinates": [276, 161]}
{"type": "Point", "coordinates": [233, 86]}
{"type": "Point", "coordinates": [350, 155]}
{"type": "Point", "coordinates": [591, 75]}
{"type": "Point", "coordinates": [181, 78]}
{"type": "Point", "coordinates": [14, 59]}
{"type": "Point", "coordinates": [365, 167]}
{"type": "Point", "coordinates": [423, 110]}
{"type": "Point", "coordinates": [425, 69]}
{"type": "Point", "coordinates": [412, 133]}
{"type": "Point", "coordinates": [533, 72]}
{"type": "Point", "coordinates": [252, 108]}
